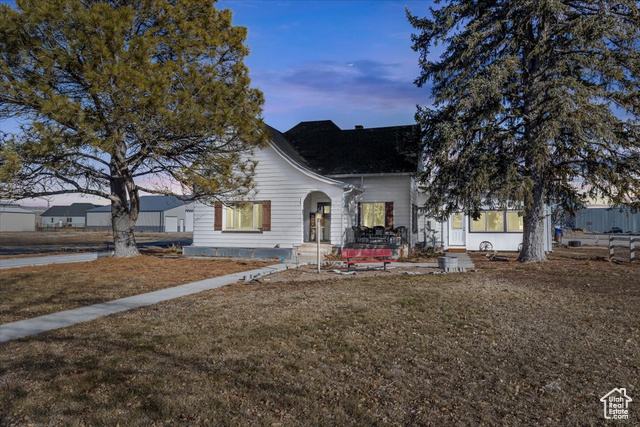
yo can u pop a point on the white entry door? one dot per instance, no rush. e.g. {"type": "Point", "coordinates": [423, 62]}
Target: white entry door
{"type": "Point", "coordinates": [456, 230]}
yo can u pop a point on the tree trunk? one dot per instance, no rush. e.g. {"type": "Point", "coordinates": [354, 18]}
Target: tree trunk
{"type": "Point", "coordinates": [535, 146]}
{"type": "Point", "coordinates": [124, 212]}
{"type": "Point", "coordinates": [123, 238]}
{"type": "Point", "coordinates": [533, 235]}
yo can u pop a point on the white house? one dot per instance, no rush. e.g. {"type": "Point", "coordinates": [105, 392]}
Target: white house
{"type": "Point", "coordinates": [499, 230]}
{"type": "Point", "coordinates": [66, 216]}
{"type": "Point", "coordinates": [359, 182]}
{"type": "Point", "coordinates": [157, 214]}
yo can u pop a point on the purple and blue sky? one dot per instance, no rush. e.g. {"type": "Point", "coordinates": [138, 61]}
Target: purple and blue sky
{"type": "Point", "coordinates": [348, 61]}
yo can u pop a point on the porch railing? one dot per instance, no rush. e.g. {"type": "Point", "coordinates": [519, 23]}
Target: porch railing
{"type": "Point", "coordinates": [376, 236]}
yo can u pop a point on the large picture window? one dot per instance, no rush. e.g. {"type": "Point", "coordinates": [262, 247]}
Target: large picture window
{"type": "Point", "coordinates": [373, 214]}
{"type": "Point", "coordinates": [497, 222]}
{"type": "Point", "coordinates": [244, 216]}
{"type": "Point", "coordinates": [515, 221]}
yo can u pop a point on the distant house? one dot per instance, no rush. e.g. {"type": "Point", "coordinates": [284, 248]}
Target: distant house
{"type": "Point", "coordinates": [157, 214]}
{"type": "Point", "coordinates": [66, 216]}
{"type": "Point", "coordinates": [15, 218]}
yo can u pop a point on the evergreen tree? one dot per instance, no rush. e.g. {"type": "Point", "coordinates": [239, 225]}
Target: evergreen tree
{"type": "Point", "coordinates": [535, 101]}
{"type": "Point", "coordinates": [123, 96]}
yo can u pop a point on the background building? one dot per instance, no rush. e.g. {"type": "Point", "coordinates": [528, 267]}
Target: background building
{"type": "Point", "coordinates": [66, 216]}
{"type": "Point", "coordinates": [157, 214]}
{"type": "Point", "coordinates": [15, 218]}
{"type": "Point", "coordinates": [602, 220]}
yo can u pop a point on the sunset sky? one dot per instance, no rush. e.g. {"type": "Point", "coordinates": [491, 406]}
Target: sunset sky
{"type": "Point", "coordinates": [346, 61]}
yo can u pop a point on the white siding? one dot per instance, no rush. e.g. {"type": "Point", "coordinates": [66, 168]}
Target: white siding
{"type": "Point", "coordinates": [394, 188]}
{"type": "Point", "coordinates": [287, 188]}
{"type": "Point", "coordinates": [148, 220]}
{"type": "Point", "coordinates": [61, 221]}
{"type": "Point", "coordinates": [188, 223]}
{"type": "Point", "coordinates": [500, 241]}
{"type": "Point", "coordinates": [15, 221]}
{"type": "Point", "coordinates": [180, 213]}
{"type": "Point", "coordinates": [171, 224]}
{"type": "Point", "coordinates": [431, 232]}
{"type": "Point", "coordinates": [98, 219]}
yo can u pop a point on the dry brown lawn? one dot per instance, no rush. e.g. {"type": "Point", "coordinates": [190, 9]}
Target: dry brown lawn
{"type": "Point", "coordinates": [33, 291]}
{"type": "Point", "coordinates": [509, 345]}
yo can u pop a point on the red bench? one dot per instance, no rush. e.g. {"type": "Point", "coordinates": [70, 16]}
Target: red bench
{"type": "Point", "coordinates": [352, 255]}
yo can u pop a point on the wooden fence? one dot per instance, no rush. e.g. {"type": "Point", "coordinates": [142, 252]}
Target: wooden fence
{"type": "Point", "coordinates": [622, 245]}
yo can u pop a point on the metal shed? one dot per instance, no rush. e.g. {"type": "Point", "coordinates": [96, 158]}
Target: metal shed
{"type": "Point", "coordinates": [602, 220]}
{"type": "Point", "coordinates": [15, 218]}
{"type": "Point", "coordinates": [157, 214]}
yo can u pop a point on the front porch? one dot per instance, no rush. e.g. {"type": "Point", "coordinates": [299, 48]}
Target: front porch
{"type": "Point", "coordinates": [376, 237]}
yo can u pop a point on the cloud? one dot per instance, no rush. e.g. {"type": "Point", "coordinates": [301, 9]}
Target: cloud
{"type": "Point", "coordinates": [360, 82]}
{"type": "Point", "coordinates": [364, 85]}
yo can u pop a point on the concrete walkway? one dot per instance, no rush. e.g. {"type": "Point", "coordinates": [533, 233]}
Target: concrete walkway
{"type": "Point", "coordinates": [51, 259]}
{"type": "Point", "coordinates": [24, 328]}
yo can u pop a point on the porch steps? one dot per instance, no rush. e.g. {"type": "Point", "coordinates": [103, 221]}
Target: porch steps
{"type": "Point", "coordinates": [307, 252]}
{"type": "Point", "coordinates": [457, 250]}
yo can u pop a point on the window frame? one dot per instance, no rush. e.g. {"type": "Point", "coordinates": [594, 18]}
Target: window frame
{"type": "Point", "coordinates": [233, 206]}
{"type": "Point", "coordinates": [505, 222]}
{"type": "Point", "coordinates": [373, 214]}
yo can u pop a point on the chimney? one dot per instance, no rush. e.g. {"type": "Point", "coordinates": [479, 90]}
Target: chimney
{"type": "Point", "coordinates": [359, 127]}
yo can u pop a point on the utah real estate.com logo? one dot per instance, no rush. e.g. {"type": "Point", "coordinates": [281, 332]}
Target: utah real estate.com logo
{"type": "Point", "coordinates": [616, 404]}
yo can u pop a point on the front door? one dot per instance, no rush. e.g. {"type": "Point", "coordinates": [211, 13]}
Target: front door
{"type": "Point", "coordinates": [325, 220]}
{"type": "Point", "coordinates": [456, 230]}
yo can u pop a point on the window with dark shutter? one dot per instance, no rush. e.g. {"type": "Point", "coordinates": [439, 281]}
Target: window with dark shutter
{"type": "Point", "coordinates": [266, 215]}
{"type": "Point", "coordinates": [217, 219]}
{"type": "Point", "coordinates": [388, 215]}
{"type": "Point", "coordinates": [414, 218]}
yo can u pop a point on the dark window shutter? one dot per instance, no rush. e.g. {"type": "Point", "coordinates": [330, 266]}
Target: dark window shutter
{"type": "Point", "coordinates": [266, 215]}
{"type": "Point", "coordinates": [359, 214]}
{"type": "Point", "coordinates": [388, 215]}
{"type": "Point", "coordinates": [217, 216]}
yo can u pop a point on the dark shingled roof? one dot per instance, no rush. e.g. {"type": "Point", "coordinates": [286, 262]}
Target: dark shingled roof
{"type": "Point", "coordinates": [280, 141]}
{"type": "Point", "coordinates": [76, 209]}
{"type": "Point", "coordinates": [329, 150]}
{"type": "Point", "coordinates": [151, 204]}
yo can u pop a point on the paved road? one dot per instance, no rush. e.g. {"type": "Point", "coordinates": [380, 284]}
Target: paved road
{"type": "Point", "coordinates": [24, 328]}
